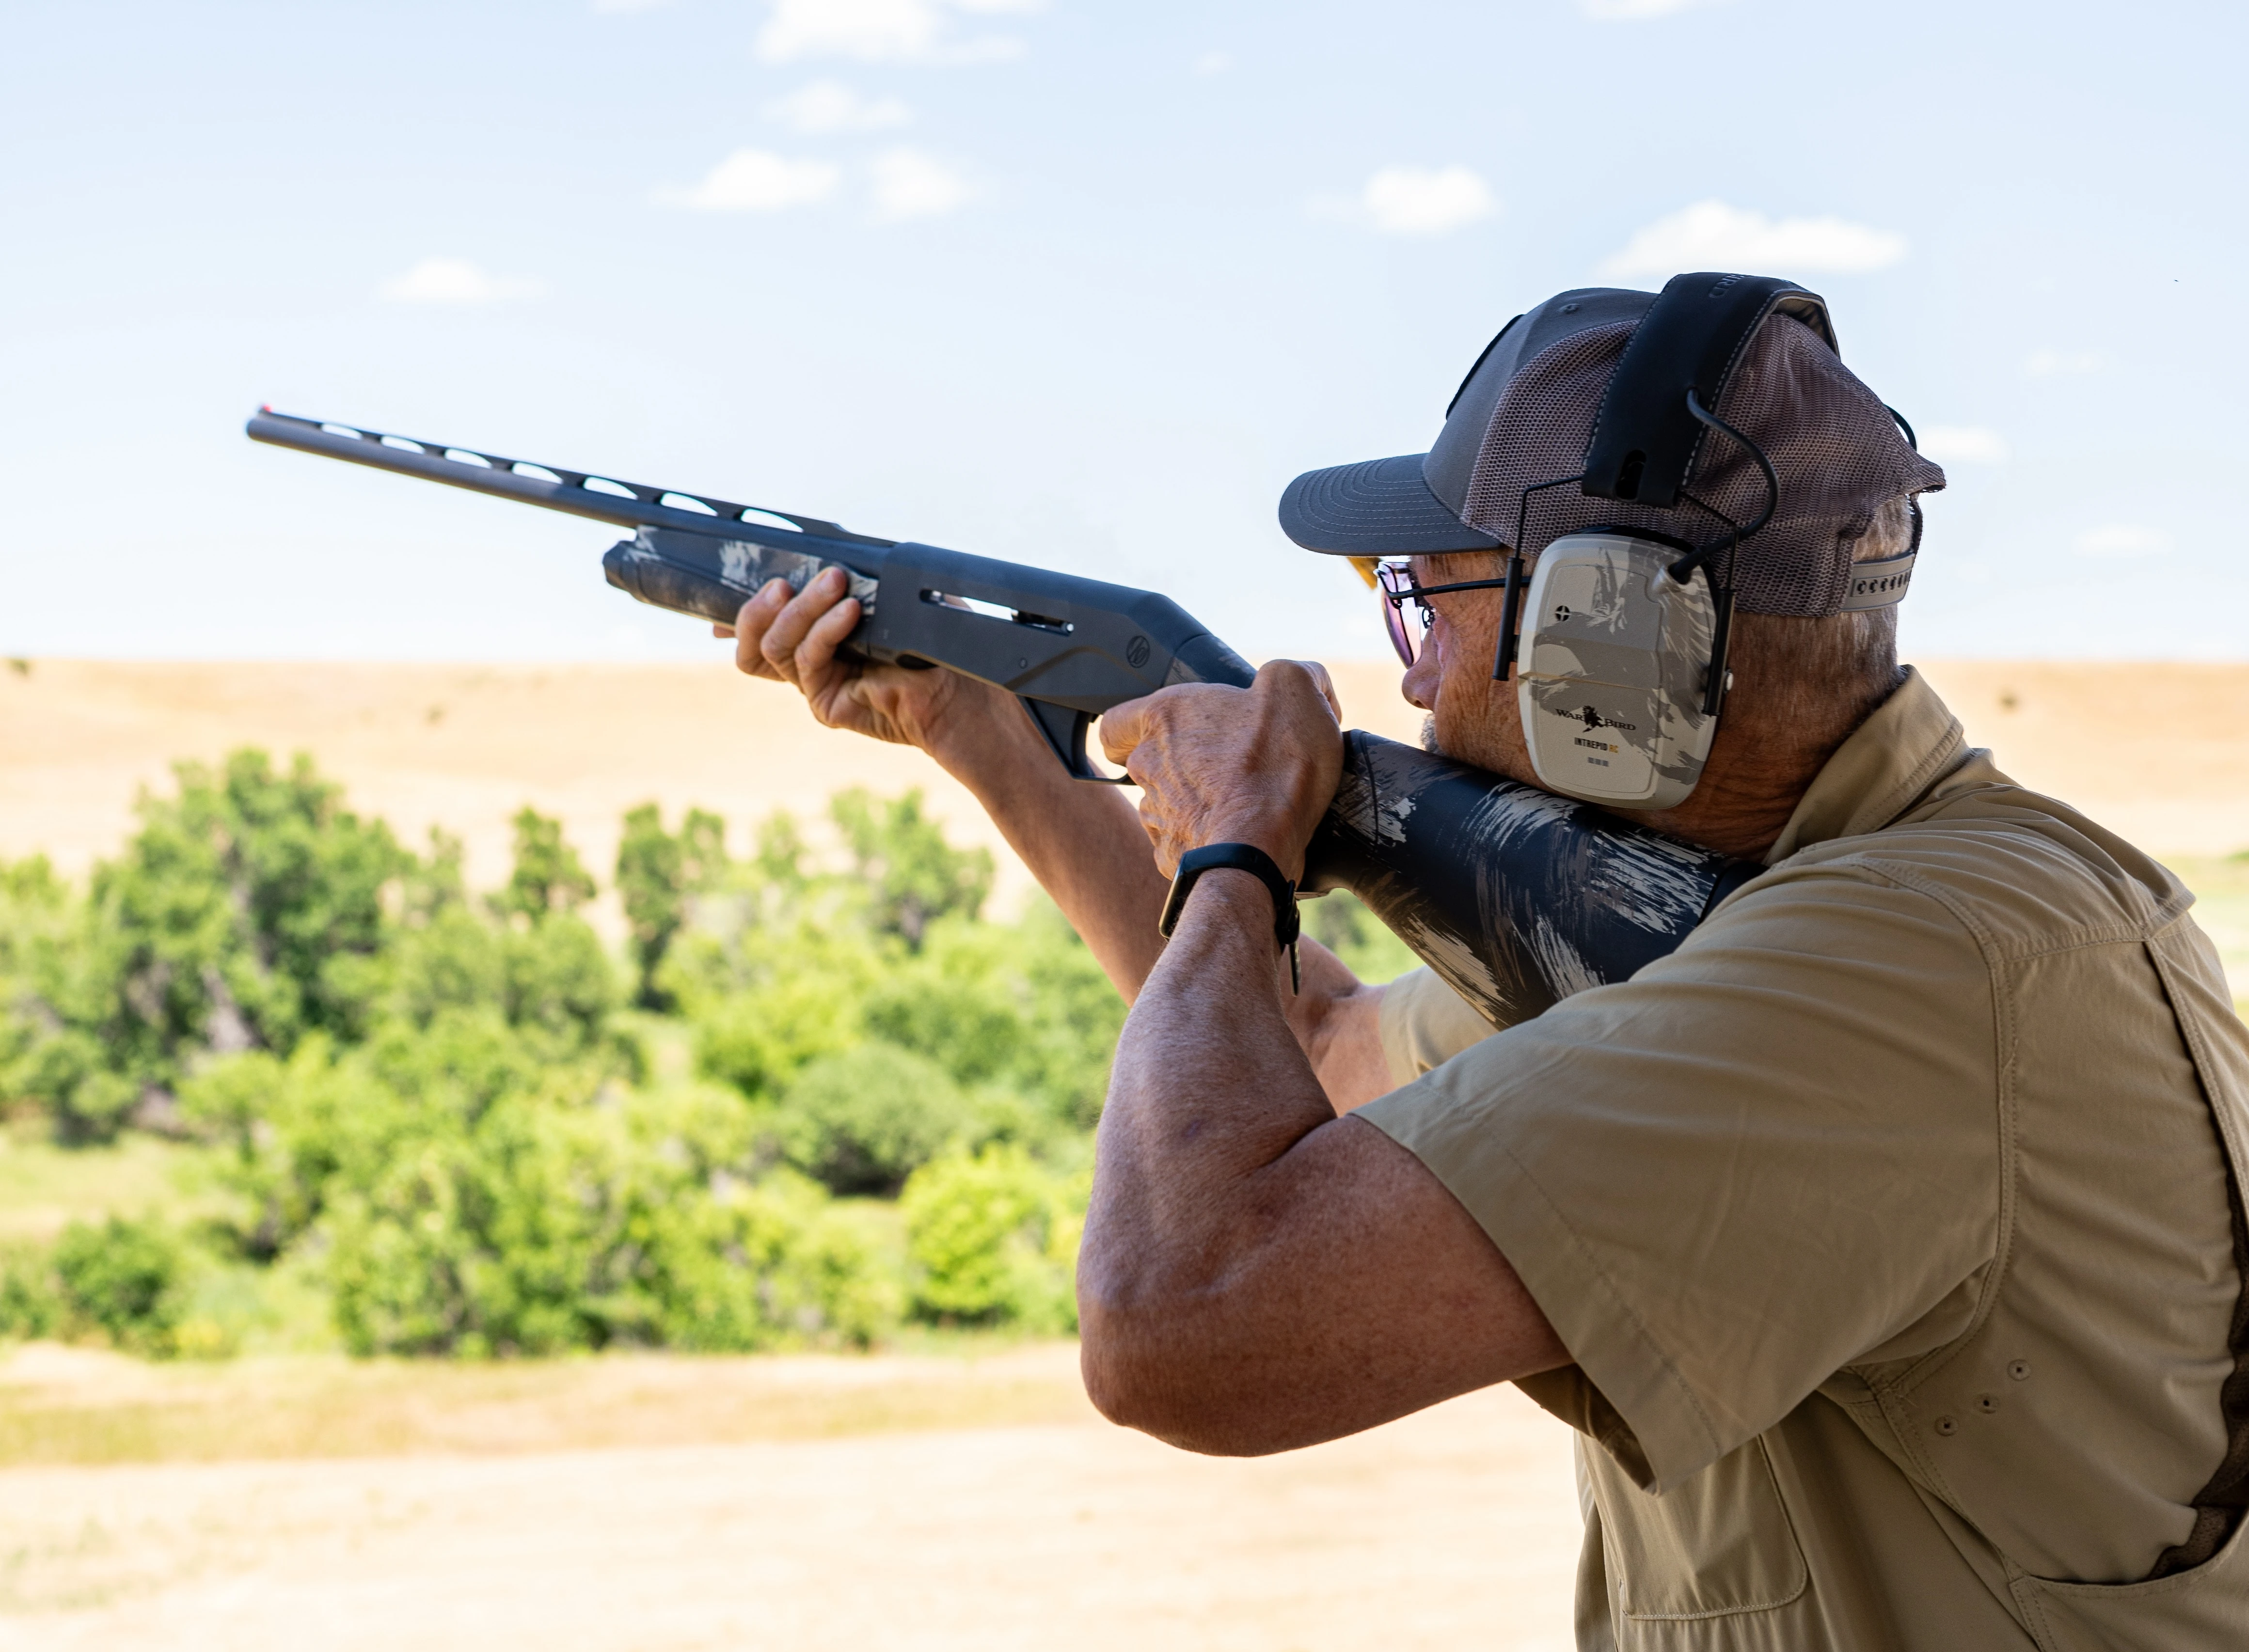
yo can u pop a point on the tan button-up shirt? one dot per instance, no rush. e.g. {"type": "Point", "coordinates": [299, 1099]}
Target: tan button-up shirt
{"type": "Point", "coordinates": [1893, 1224]}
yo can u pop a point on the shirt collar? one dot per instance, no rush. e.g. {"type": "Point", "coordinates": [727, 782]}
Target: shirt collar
{"type": "Point", "coordinates": [1889, 761]}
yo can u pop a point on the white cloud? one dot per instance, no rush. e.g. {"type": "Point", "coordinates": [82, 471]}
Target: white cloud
{"type": "Point", "coordinates": [1425, 200]}
{"type": "Point", "coordinates": [2050, 363]}
{"type": "Point", "coordinates": [2123, 541]}
{"type": "Point", "coordinates": [885, 30]}
{"type": "Point", "coordinates": [1213, 63]}
{"type": "Point", "coordinates": [1712, 236]}
{"type": "Point", "coordinates": [456, 282]}
{"type": "Point", "coordinates": [909, 184]}
{"type": "Point", "coordinates": [756, 180]}
{"type": "Point", "coordinates": [1635, 10]}
{"type": "Point", "coordinates": [825, 106]}
{"type": "Point", "coordinates": [1964, 444]}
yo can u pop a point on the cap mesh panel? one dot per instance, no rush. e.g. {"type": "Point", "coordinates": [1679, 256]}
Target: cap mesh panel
{"type": "Point", "coordinates": [1839, 454]}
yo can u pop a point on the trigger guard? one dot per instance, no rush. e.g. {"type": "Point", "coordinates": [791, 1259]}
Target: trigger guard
{"type": "Point", "coordinates": [1064, 729]}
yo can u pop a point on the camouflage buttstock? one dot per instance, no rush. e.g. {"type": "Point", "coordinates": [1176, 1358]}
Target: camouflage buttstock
{"type": "Point", "coordinates": [1517, 898]}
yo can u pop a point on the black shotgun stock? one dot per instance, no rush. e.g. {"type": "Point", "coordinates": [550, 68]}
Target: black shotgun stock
{"type": "Point", "coordinates": [1517, 897]}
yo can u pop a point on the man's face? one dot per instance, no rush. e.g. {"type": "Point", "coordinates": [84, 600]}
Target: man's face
{"type": "Point", "coordinates": [1475, 720]}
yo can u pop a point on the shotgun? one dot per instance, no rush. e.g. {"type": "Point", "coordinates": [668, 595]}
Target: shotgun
{"type": "Point", "coordinates": [1517, 897]}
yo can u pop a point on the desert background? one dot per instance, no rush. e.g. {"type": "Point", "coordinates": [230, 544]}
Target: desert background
{"type": "Point", "coordinates": [2158, 751]}
{"type": "Point", "coordinates": [662, 1501]}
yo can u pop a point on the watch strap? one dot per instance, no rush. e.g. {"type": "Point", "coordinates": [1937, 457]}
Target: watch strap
{"type": "Point", "coordinates": [1239, 857]}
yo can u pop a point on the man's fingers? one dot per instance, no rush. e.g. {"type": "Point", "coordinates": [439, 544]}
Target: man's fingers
{"type": "Point", "coordinates": [754, 618]}
{"type": "Point", "coordinates": [1321, 680]}
{"type": "Point", "coordinates": [816, 654]}
{"type": "Point", "coordinates": [1152, 823]}
{"type": "Point", "coordinates": [785, 634]}
{"type": "Point", "coordinates": [1123, 727]}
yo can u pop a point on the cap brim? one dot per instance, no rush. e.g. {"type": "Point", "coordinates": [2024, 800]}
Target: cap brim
{"type": "Point", "coordinates": [1377, 508]}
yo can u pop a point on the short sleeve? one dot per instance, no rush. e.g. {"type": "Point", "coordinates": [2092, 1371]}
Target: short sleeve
{"type": "Point", "coordinates": [1424, 1023]}
{"type": "Point", "coordinates": [1763, 1156]}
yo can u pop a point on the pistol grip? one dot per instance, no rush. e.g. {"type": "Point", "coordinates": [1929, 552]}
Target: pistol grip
{"type": "Point", "coordinates": [1064, 730]}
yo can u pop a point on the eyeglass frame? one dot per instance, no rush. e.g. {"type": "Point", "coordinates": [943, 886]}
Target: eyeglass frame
{"type": "Point", "coordinates": [1393, 602]}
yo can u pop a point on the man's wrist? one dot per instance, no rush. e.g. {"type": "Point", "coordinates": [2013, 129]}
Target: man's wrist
{"type": "Point", "coordinates": [1263, 831]}
{"type": "Point", "coordinates": [977, 731]}
{"type": "Point", "coordinates": [1243, 861]}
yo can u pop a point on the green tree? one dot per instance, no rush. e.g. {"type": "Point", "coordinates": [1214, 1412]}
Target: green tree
{"type": "Point", "coordinates": [239, 916]}
{"type": "Point", "coordinates": [657, 874]}
{"type": "Point", "coordinates": [911, 874]}
{"type": "Point", "coordinates": [546, 876]}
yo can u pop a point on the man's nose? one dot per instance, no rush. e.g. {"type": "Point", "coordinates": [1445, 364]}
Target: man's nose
{"type": "Point", "coordinates": [1419, 685]}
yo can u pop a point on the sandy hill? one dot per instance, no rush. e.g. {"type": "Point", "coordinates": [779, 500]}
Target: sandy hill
{"type": "Point", "coordinates": [2160, 752]}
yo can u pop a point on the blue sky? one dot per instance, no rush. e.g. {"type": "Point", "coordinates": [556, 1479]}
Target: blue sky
{"type": "Point", "coordinates": [1070, 282]}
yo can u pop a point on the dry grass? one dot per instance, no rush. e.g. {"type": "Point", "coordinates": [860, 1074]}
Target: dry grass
{"type": "Point", "coordinates": [80, 1406]}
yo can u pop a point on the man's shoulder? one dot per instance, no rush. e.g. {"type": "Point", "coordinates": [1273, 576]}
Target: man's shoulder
{"type": "Point", "coordinates": [2021, 872]}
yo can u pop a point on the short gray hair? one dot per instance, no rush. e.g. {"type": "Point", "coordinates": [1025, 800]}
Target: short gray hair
{"type": "Point", "coordinates": [1804, 667]}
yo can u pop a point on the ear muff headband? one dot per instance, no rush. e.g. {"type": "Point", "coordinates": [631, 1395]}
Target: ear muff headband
{"type": "Point", "coordinates": [1645, 439]}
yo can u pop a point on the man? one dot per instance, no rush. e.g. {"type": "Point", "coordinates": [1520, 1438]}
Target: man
{"type": "Point", "coordinates": [1884, 1243]}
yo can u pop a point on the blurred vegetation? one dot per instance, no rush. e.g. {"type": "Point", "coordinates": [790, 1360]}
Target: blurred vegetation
{"type": "Point", "coordinates": [275, 1080]}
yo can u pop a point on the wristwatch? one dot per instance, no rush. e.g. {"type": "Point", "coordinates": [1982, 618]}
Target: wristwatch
{"type": "Point", "coordinates": [1239, 857]}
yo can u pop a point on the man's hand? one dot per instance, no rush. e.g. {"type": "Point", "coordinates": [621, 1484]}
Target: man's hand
{"type": "Point", "coordinates": [793, 638]}
{"type": "Point", "coordinates": [1233, 765]}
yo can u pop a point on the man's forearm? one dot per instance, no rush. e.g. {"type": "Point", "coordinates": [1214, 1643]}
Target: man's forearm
{"type": "Point", "coordinates": [1258, 1274]}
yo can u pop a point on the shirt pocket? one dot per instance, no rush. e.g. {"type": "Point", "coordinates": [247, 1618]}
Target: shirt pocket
{"type": "Point", "coordinates": [2207, 1606]}
{"type": "Point", "coordinates": [1722, 1543]}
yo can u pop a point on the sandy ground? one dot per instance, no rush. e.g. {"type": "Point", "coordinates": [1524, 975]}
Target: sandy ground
{"type": "Point", "coordinates": [1455, 1528]}
{"type": "Point", "coordinates": [2159, 752]}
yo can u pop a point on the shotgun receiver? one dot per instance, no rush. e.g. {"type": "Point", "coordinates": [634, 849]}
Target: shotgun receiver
{"type": "Point", "coordinates": [1517, 897]}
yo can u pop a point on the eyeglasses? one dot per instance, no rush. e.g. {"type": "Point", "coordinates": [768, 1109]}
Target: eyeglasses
{"type": "Point", "coordinates": [1395, 581]}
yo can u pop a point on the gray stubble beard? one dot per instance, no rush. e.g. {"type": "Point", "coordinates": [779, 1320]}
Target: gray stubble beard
{"type": "Point", "coordinates": [1429, 736]}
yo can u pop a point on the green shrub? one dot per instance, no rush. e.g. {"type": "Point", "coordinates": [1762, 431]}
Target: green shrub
{"type": "Point", "coordinates": [995, 1236]}
{"type": "Point", "coordinates": [1021, 1006]}
{"type": "Point", "coordinates": [435, 1121]}
{"type": "Point", "coordinates": [771, 1266]}
{"type": "Point", "coordinates": [123, 1277]}
{"type": "Point", "coordinates": [862, 1119]}
{"type": "Point", "coordinates": [30, 1299]}
{"type": "Point", "coordinates": [1340, 922]}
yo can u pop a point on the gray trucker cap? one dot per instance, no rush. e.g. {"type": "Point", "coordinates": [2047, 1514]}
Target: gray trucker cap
{"type": "Point", "coordinates": [1524, 415]}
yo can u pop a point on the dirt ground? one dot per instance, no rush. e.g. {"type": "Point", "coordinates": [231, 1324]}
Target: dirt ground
{"type": "Point", "coordinates": [1456, 1528]}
